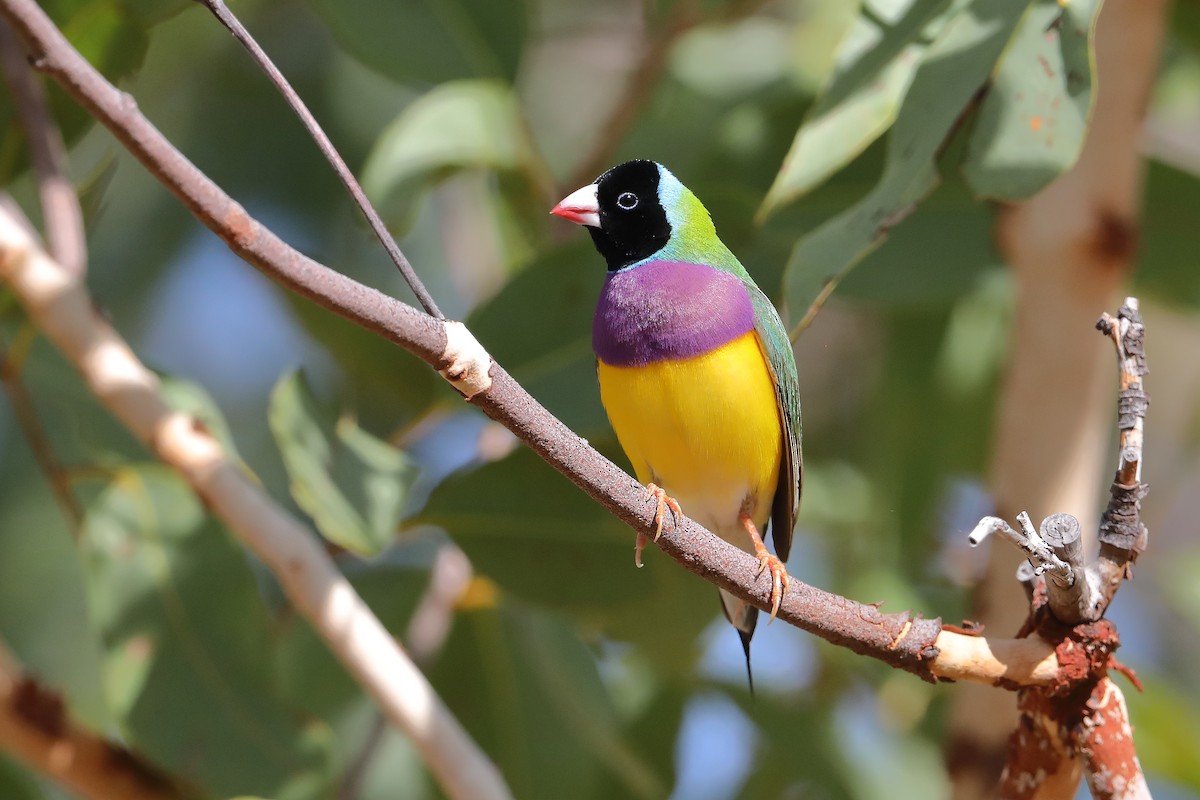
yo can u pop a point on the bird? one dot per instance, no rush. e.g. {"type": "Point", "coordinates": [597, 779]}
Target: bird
{"type": "Point", "coordinates": [696, 371]}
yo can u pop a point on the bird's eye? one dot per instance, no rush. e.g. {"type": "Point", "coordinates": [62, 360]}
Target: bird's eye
{"type": "Point", "coordinates": [627, 201]}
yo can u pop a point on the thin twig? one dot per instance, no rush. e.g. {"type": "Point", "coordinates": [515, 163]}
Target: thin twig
{"type": "Point", "coordinates": [25, 412]}
{"type": "Point", "coordinates": [62, 216]}
{"type": "Point", "coordinates": [227, 18]}
{"type": "Point", "coordinates": [1041, 556]}
{"type": "Point", "coordinates": [814, 308]}
{"type": "Point", "coordinates": [1123, 537]}
{"type": "Point", "coordinates": [900, 639]}
{"type": "Point", "coordinates": [356, 771]}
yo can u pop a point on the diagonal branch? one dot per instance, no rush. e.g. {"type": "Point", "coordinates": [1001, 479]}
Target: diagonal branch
{"type": "Point", "coordinates": [35, 730]}
{"type": "Point", "coordinates": [62, 216]}
{"type": "Point", "coordinates": [903, 640]}
{"type": "Point", "coordinates": [60, 305]}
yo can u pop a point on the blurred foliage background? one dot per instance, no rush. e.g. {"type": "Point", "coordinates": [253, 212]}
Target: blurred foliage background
{"type": "Point", "coordinates": [466, 120]}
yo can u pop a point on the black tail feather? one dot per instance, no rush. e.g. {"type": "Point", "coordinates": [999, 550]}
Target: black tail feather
{"type": "Point", "coordinates": [746, 637]}
{"type": "Point", "coordinates": [745, 632]}
{"type": "Point", "coordinates": [745, 624]}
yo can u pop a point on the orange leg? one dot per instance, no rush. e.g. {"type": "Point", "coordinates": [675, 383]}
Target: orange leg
{"type": "Point", "coordinates": [767, 561]}
{"type": "Point", "coordinates": [664, 501]}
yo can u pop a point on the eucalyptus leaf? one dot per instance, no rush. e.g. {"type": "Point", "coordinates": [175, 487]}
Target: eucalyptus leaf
{"type": "Point", "coordinates": [1031, 127]}
{"type": "Point", "coordinates": [423, 42]}
{"type": "Point", "coordinates": [954, 68]}
{"type": "Point", "coordinates": [874, 68]}
{"type": "Point", "coordinates": [352, 484]}
{"type": "Point", "coordinates": [186, 640]}
{"type": "Point", "coordinates": [1167, 262]}
{"type": "Point", "coordinates": [537, 705]}
{"type": "Point", "coordinates": [468, 124]}
{"type": "Point", "coordinates": [16, 783]}
{"type": "Point", "coordinates": [544, 540]}
{"type": "Point", "coordinates": [391, 385]}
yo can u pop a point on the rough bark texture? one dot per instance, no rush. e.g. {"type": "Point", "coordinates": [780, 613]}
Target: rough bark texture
{"type": "Point", "coordinates": [1070, 248]}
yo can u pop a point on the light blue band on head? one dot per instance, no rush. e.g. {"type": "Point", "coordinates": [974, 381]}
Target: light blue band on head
{"type": "Point", "coordinates": [670, 190]}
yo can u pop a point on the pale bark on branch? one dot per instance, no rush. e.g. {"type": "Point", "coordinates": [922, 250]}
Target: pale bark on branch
{"type": "Point", "coordinates": [59, 304]}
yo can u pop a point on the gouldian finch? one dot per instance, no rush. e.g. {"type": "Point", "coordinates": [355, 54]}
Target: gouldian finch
{"type": "Point", "coordinates": [696, 370]}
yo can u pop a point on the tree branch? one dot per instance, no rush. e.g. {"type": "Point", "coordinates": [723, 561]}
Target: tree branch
{"type": "Point", "coordinates": [1081, 726]}
{"type": "Point", "coordinates": [903, 640]}
{"type": "Point", "coordinates": [1070, 249]}
{"type": "Point", "coordinates": [35, 730]}
{"type": "Point", "coordinates": [58, 302]}
{"type": "Point", "coordinates": [231, 22]}
{"type": "Point", "coordinates": [62, 217]}
{"type": "Point", "coordinates": [1122, 535]}
{"type": "Point", "coordinates": [1106, 742]}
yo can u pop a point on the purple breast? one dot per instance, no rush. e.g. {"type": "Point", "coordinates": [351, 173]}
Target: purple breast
{"type": "Point", "coordinates": [668, 310]}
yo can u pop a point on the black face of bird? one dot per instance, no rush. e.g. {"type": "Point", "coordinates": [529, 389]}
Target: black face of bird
{"type": "Point", "coordinates": [622, 212]}
{"type": "Point", "coordinates": [632, 218]}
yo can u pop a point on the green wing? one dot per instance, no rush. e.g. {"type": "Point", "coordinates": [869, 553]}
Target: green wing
{"type": "Point", "coordinates": [773, 334]}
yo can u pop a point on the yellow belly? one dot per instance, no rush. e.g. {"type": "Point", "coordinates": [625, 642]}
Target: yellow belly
{"type": "Point", "coordinates": [707, 429]}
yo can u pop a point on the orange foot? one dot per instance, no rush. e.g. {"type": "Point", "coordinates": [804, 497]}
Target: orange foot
{"type": "Point", "coordinates": [767, 561]}
{"type": "Point", "coordinates": [664, 501]}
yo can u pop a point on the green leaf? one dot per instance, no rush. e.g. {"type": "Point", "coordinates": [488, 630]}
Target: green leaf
{"type": "Point", "coordinates": [730, 60]}
{"type": "Point", "coordinates": [430, 42]}
{"type": "Point", "coordinates": [539, 327]}
{"type": "Point", "coordinates": [874, 68]}
{"type": "Point", "coordinates": [187, 657]}
{"type": "Point", "coordinates": [936, 257]}
{"type": "Point", "coordinates": [542, 539]}
{"type": "Point", "coordinates": [470, 124]}
{"type": "Point", "coordinates": [535, 702]}
{"type": "Point", "coordinates": [1167, 262]}
{"type": "Point", "coordinates": [395, 385]}
{"type": "Point", "coordinates": [352, 484]}
{"type": "Point", "coordinates": [16, 783]}
{"type": "Point", "coordinates": [1185, 25]}
{"type": "Point", "coordinates": [1031, 127]}
{"type": "Point", "coordinates": [537, 535]}
{"type": "Point", "coordinates": [955, 66]}
{"type": "Point", "coordinates": [1166, 732]}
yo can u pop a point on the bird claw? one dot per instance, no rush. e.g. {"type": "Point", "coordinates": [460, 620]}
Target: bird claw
{"type": "Point", "coordinates": [779, 579]}
{"type": "Point", "coordinates": [664, 501]}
